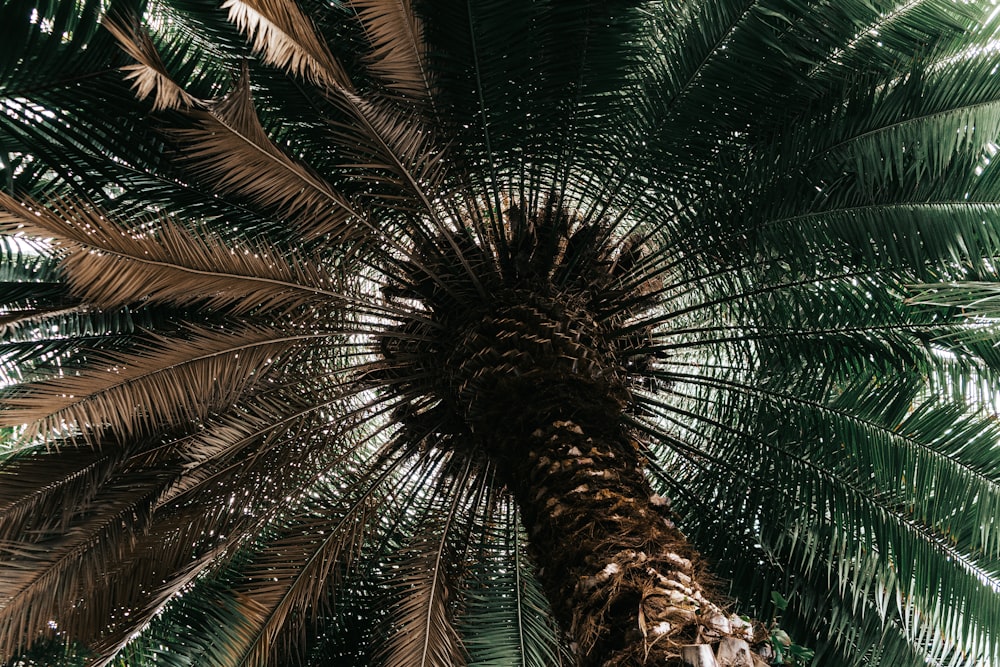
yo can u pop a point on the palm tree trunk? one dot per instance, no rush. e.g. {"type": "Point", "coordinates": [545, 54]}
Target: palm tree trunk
{"type": "Point", "coordinates": [623, 581]}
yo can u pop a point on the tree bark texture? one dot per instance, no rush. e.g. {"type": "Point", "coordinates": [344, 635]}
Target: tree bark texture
{"type": "Point", "coordinates": [623, 580]}
{"type": "Point", "coordinates": [541, 388]}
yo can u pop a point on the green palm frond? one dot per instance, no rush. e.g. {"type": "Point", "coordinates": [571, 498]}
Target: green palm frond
{"type": "Point", "coordinates": [504, 619]}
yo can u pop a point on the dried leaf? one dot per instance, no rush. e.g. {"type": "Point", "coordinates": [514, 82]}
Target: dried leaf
{"type": "Point", "coordinates": [109, 266]}
{"type": "Point", "coordinates": [167, 381]}
{"type": "Point", "coordinates": [399, 54]}
{"type": "Point", "coordinates": [228, 147]}
{"type": "Point", "coordinates": [149, 75]}
{"type": "Point", "coordinates": [286, 38]}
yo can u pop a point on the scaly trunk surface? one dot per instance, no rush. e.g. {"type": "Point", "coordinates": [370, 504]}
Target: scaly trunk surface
{"type": "Point", "coordinates": [623, 581]}
{"type": "Point", "coordinates": [547, 402]}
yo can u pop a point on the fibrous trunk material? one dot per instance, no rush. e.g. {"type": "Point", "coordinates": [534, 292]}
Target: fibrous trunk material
{"type": "Point", "coordinates": [548, 405]}
{"type": "Point", "coordinates": [623, 580]}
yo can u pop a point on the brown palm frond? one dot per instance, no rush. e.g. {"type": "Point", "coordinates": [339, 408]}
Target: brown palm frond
{"type": "Point", "coordinates": [137, 553]}
{"type": "Point", "coordinates": [286, 38]}
{"type": "Point", "coordinates": [399, 54]}
{"type": "Point", "coordinates": [173, 550]}
{"type": "Point", "coordinates": [34, 488]}
{"type": "Point", "coordinates": [149, 75]}
{"type": "Point", "coordinates": [228, 147]}
{"type": "Point", "coordinates": [110, 266]}
{"type": "Point", "coordinates": [398, 142]}
{"type": "Point", "coordinates": [209, 454]}
{"type": "Point", "coordinates": [174, 577]}
{"type": "Point", "coordinates": [160, 563]}
{"type": "Point", "coordinates": [166, 381]}
{"type": "Point", "coordinates": [308, 548]}
{"type": "Point", "coordinates": [42, 577]}
{"type": "Point", "coordinates": [265, 429]}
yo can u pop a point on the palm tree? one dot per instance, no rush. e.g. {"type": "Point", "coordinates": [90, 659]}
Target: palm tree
{"type": "Point", "coordinates": [372, 332]}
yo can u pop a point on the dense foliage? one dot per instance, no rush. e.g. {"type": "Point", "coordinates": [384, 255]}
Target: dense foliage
{"type": "Point", "coordinates": [276, 281]}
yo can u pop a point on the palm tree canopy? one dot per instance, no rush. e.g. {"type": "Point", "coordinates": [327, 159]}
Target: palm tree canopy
{"type": "Point", "coordinates": [273, 277]}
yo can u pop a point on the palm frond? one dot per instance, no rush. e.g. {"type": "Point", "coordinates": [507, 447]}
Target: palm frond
{"type": "Point", "coordinates": [228, 146]}
{"type": "Point", "coordinates": [286, 38]}
{"type": "Point", "coordinates": [149, 75]}
{"type": "Point", "coordinates": [502, 618]}
{"type": "Point", "coordinates": [399, 52]}
{"type": "Point", "coordinates": [166, 263]}
{"type": "Point", "coordinates": [163, 382]}
{"type": "Point", "coordinates": [39, 576]}
{"type": "Point", "coordinates": [421, 630]}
